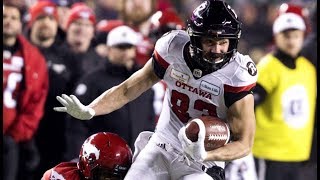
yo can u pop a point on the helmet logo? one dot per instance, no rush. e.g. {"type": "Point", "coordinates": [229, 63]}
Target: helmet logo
{"type": "Point", "coordinates": [90, 152]}
{"type": "Point", "coordinates": [56, 176]}
{"type": "Point", "coordinates": [197, 13]}
{"type": "Point", "coordinates": [225, 22]}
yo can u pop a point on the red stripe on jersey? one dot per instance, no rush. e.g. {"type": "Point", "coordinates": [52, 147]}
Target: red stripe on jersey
{"type": "Point", "coordinates": [233, 89]}
{"type": "Point", "coordinates": [160, 60]}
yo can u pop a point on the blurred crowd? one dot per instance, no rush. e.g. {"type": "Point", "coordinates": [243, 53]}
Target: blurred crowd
{"type": "Point", "coordinates": [68, 50]}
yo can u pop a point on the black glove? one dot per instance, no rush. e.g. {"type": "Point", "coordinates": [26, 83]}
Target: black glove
{"type": "Point", "coordinates": [216, 172]}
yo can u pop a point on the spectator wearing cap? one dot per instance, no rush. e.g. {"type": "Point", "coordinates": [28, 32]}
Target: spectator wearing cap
{"type": "Point", "coordinates": [297, 9]}
{"type": "Point", "coordinates": [43, 23]}
{"type": "Point", "coordinates": [164, 21]}
{"type": "Point", "coordinates": [127, 121]}
{"type": "Point", "coordinates": [80, 26]}
{"type": "Point", "coordinates": [63, 8]}
{"type": "Point", "coordinates": [80, 31]}
{"type": "Point", "coordinates": [285, 98]}
{"type": "Point", "coordinates": [63, 73]}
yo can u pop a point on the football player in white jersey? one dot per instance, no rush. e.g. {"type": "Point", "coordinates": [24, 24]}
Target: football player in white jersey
{"type": "Point", "coordinates": [205, 75]}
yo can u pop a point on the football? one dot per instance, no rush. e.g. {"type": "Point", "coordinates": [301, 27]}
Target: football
{"type": "Point", "coordinates": [217, 132]}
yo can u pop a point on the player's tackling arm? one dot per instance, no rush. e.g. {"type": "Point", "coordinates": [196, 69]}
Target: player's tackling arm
{"type": "Point", "coordinates": [111, 99]}
{"type": "Point", "coordinates": [119, 95]}
{"type": "Point", "coordinates": [242, 123]}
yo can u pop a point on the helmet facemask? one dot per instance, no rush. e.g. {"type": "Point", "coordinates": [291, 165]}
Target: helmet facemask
{"type": "Point", "coordinates": [102, 173]}
{"type": "Point", "coordinates": [213, 19]}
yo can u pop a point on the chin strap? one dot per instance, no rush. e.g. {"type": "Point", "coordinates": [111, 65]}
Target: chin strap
{"type": "Point", "coordinates": [195, 62]}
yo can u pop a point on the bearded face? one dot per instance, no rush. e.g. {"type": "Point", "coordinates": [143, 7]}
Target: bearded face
{"type": "Point", "coordinates": [44, 28]}
{"type": "Point", "coordinates": [137, 11]}
{"type": "Point", "coordinates": [11, 22]}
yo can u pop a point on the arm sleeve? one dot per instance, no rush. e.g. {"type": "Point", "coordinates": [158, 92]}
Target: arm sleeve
{"type": "Point", "coordinates": [158, 69]}
{"type": "Point", "coordinates": [233, 94]}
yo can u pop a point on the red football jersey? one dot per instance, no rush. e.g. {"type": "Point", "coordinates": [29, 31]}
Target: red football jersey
{"type": "Point", "coordinates": [63, 171]}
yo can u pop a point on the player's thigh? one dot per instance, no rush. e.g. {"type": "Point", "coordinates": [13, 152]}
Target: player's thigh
{"type": "Point", "coordinates": [149, 164]}
{"type": "Point", "coordinates": [200, 175]}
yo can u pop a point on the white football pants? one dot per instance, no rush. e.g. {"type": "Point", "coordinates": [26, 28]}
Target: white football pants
{"type": "Point", "coordinates": [155, 160]}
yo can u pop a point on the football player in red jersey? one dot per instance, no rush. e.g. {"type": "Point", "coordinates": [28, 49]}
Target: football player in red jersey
{"type": "Point", "coordinates": [102, 156]}
{"type": "Point", "coordinates": [205, 75]}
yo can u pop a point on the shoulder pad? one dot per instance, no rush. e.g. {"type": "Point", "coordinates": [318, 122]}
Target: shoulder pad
{"type": "Point", "coordinates": [171, 44]}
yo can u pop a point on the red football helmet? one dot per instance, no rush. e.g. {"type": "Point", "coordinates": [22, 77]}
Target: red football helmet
{"type": "Point", "coordinates": [104, 154]}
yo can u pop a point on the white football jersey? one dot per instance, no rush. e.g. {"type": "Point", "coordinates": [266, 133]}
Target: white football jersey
{"type": "Point", "coordinates": [187, 97]}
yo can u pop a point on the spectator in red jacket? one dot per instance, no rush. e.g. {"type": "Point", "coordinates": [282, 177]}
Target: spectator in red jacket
{"type": "Point", "coordinates": [25, 88]}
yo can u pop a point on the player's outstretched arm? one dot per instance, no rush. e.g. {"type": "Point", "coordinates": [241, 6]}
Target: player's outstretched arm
{"type": "Point", "coordinates": [242, 123]}
{"type": "Point", "coordinates": [113, 98]}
